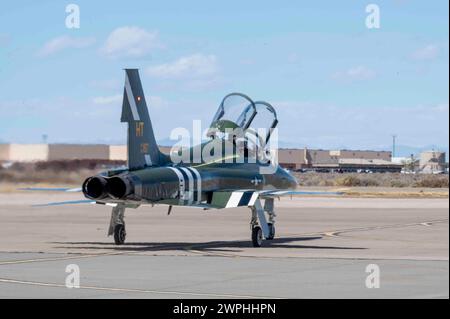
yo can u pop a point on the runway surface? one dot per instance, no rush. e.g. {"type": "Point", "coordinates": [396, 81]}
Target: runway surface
{"type": "Point", "coordinates": [322, 249]}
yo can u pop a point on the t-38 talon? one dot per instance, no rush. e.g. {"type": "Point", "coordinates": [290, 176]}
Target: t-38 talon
{"type": "Point", "coordinates": [237, 170]}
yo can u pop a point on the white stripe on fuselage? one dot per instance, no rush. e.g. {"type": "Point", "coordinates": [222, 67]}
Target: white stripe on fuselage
{"type": "Point", "coordinates": [199, 184]}
{"type": "Point", "coordinates": [190, 193]}
{"type": "Point", "coordinates": [181, 186]}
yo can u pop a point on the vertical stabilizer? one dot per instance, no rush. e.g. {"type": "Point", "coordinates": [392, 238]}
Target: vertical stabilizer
{"type": "Point", "coordinates": [142, 148]}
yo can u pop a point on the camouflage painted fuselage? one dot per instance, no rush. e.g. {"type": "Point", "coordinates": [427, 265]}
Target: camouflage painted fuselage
{"type": "Point", "coordinates": [194, 185]}
{"type": "Point", "coordinates": [198, 183]}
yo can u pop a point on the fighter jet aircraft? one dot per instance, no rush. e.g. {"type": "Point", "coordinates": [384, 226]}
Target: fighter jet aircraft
{"type": "Point", "coordinates": [237, 171]}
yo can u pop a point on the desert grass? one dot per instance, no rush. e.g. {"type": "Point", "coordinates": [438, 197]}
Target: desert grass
{"type": "Point", "coordinates": [395, 180]}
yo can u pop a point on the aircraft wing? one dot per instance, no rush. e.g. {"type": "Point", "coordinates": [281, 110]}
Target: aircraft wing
{"type": "Point", "coordinates": [239, 198]}
{"type": "Point", "coordinates": [230, 199]}
{"type": "Point", "coordinates": [275, 194]}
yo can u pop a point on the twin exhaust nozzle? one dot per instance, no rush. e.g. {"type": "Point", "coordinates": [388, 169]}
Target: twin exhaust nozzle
{"type": "Point", "coordinates": [99, 187]}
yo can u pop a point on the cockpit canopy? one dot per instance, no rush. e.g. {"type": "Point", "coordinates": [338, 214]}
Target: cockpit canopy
{"type": "Point", "coordinates": [238, 112]}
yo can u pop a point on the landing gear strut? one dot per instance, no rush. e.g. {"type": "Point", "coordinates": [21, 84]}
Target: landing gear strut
{"type": "Point", "coordinates": [260, 227]}
{"type": "Point", "coordinates": [271, 231]}
{"type": "Point", "coordinates": [117, 224]}
{"type": "Point", "coordinates": [269, 208]}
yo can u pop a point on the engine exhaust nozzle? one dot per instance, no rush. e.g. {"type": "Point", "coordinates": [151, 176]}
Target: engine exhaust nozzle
{"type": "Point", "coordinates": [95, 187]}
{"type": "Point", "coordinates": [119, 187]}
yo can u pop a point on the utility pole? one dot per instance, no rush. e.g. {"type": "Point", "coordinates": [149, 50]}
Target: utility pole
{"type": "Point", "coordinates": [394, 138]}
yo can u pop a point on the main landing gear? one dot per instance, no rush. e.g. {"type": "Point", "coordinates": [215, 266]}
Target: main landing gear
{"type": "Point", "coordinates": [119, 234]}
{"type": "Point", "coordinates": [257, 236]}
{"type": "Point", "coordinates": [261, 227]}
{"type": "Point", "coordinates": [117, 224]}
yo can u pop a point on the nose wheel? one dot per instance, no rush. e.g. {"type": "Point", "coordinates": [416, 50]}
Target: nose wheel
{"type": "Point", "coordinates": [257, 236]}
{"type": "Point", "coordinates": [261, 227]}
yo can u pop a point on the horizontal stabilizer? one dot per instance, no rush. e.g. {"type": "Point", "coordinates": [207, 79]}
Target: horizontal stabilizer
{"type": "Point", "coordinates": [49, 189]}
{"type": "Point", "coordinates": [70, 202]}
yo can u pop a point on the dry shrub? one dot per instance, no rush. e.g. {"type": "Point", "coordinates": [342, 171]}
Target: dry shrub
{"type": "Point", "coordinates": [57, 172]}
{"type": "Point", "coordinates": [327, 183]}
{"type": "Point", "coordinates": [348, 181]}
{"type": "Point", "coordinates": [433, 182]}
{"type": "Point", "coordinates": [397, 183]}
{"type": "Point", "coordinates": [376, 179]}
{"type": "Point", "coordinates": [75, 165]}
{"type": "Point", "coordinates": [355, 181]}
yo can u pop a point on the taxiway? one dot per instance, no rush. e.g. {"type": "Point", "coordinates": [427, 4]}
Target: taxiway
{"type": "Point", "coordinates": [322, 248]}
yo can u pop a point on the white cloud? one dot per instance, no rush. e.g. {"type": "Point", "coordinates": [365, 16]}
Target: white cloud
{"type": "Point", "coordinates": [358, 73]}
{"type": "Point", "coordinates": [307, 123]}
{"type": "Point", "coordinates": [130, 41]}
{"type": "Point", "coordinates": [109, 84]}
{"type": "Point", "coordinates": [156, 102]}
{"type": "Point", "coordinates": [5, 39]}
{"type": "Point", "coordinates": [293, 58]}
{"type": "Point", "coordinates": [152, 100]}
{"type": "Point", "coordinates": [61, 119]}
{"type": "Point", "coordinates": [193, 66]}
{"type": "Point", "coordinates": [361, 126]}
{"type": "Point", "coordinates": [64, 42]}
{"type": "Point", "coordinates": [443, 107]}
{"type": "Point", "coordinates": [108, 99]}
{"type": "Point", "coordinates": [429, 52]}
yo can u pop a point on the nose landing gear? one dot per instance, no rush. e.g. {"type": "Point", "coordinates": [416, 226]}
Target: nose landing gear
{"type": "Point", "coordinates": [261, 229]}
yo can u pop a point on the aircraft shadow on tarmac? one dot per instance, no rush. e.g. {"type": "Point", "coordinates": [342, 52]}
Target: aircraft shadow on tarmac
{"type": "Point", "coordinates": [211, 246]}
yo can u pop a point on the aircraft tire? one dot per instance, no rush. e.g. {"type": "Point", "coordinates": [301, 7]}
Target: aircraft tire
{"type": "Point", "coordinates": [119, 234]}
{"type": "Point", "coordinates": [271, 231]}
{"type": "Point", "coordinates": [257, 236]}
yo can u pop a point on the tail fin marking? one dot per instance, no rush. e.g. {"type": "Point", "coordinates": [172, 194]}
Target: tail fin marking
{"type": "Point", "coordinates": [142, 148]}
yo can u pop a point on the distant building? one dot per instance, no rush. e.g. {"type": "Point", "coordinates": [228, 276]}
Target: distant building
{"type": "Point", "coordinates": [23, 152]}
{"type": "Point", "coordinates": [78, 151]}
{"type": "Point", "coordinates": [294, 159]}
{"type": "Point", "coordinates": [50, 152]}
{"type": "Point", "coordinates": [337, 160]}
{"type": "Point", "coordinates": [432, 162]}
{"type": "Point", "coordinates": [410, 164]}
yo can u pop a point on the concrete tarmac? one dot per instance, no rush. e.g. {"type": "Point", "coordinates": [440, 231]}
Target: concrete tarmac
{"type": "Point", "coordinates": [322, 249]}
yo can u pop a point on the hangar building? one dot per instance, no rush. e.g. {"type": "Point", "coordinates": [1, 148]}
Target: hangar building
{"type": "Point", "coordinates": [294, 159]}
{"type": "Point", "coordinates": [337, 160]}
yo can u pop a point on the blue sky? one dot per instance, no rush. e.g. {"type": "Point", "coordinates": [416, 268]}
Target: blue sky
{"type": "Point", "coordinates": [334, 82]}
